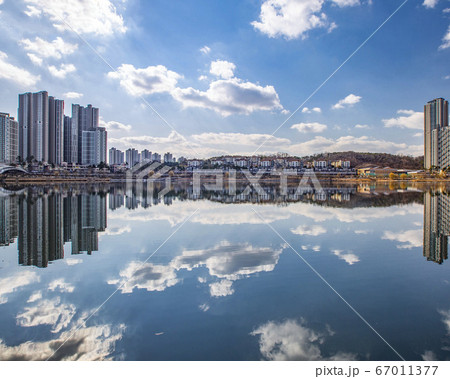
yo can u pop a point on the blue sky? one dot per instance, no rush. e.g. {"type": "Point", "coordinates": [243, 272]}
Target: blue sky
{"type": "Point", "coordinates": [210, 77]}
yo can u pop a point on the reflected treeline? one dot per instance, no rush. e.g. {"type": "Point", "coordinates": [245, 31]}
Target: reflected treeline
{"type": "Point", "coordinates": [44, 220]}
{"type": "Point", "coordinates": [135, 195]}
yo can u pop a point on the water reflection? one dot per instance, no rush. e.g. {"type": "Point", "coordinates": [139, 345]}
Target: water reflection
{"type": "Point", "coordinates": [436, 226]}
{"type": "Point", "coordinates": [223, 271]}
{"type": "Point", "coordinates": [44, 220]}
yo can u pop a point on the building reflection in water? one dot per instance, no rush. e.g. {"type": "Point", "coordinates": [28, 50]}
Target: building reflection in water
{"type": "Point", "coordinates": [436, 226]}
{"type": "Point", "coordinates": [44, 222]}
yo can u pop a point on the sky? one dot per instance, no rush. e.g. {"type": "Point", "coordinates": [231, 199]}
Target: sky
{"type": "Point", "coordinates": [210, 77]}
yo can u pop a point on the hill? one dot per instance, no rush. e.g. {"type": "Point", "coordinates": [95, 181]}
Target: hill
{"type": "Point", "coordinates": [371, 159]}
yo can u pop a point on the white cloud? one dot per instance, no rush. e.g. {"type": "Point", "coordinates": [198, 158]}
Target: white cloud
{"type": "Point", "coordinates": [446, 40]}
{"type": "Point", "coordinates": [35, 59]}
{"type": "Point", "coordinates": [229, 261]}
{"type": "Point", "coordinates": [16, 74]}
{"type": "Point", "coordinates": [202, 77]}
{"type": "Point", "coordinates": [44, 49]}
{"type": "Point", "coordinates": [322, 144]}
{"type": "Point", "coordinates": [292, 340]}
{"type": "Point", "coordinates": [114, 125]}
{"type": "Point", "coordinates": [446, 10]}
{"type": "Point", "coordinates": [408, 238]}
{"type": "Point", "coordinates": [117, 230]}
{"type": "Point", "coordinates": [430, 3]}
{"type": "Point", "coordinates": [362, 126]}
{"type": "Point", "coordinates": [447, 77]}
{"type": "Point", "coordinates": [222, 69]}
{"type": "Point", "coordinates": [145, 81]}
{"type": "Point", "coordinates": [222, 288]}
{"type": "Point", "coordinates": [47, 312]}
{"type": "Point", "coordinates": [10, 284]}
{"type": "Point", "coordinates": [420, 134]}
{"type": "Point", "coordinates": [62, 71]}
{"type": "Point", "coordinates": [361, 232]}
{"type": "Point", "coordinates": [73, 95]}
{"type": "Point", "coordinates": [145, 276]}
{"type": "Point", "coordinates": [37, 295]}
{"type": "Point", "coordinates": [290, 18]}
{"type": "Point", "coordinates": [93, 343]}
{"type": "Point", "coordinates": [205, 50]}
{"type": "Point", "coordinates": [98, 17]}
{"type": "Point", "coordinates": [348, 3]}
{"type": "Point", "coordinates": [309, 230]}
{"type": "Point", "coordinates": [309, 127]}
{"type": "Point", "coordinates": [347, 101]}
{"type": "Point", "coordinates": [410, 120]}
{"type": "Point", "coordinates": [348, 257]}
{"type": "Point", "coordinates": [73, 261]}
{"type": "Point", "coordinates": [61, 285]}
{"type": "Point", "coordinates": [231, 96]}
{"type": "Point", "coordinates": [315, 109]}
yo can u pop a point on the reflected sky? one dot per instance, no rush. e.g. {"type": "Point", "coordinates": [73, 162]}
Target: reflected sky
{"type": "Point", "coordinates": [224, 286]}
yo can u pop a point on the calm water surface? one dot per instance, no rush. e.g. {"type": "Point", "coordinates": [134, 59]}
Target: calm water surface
{"type": "Point", "coordinates": [215, 277]}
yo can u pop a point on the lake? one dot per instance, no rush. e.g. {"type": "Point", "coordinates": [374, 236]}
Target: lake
{"type": "Point", "coordinates": [115, 271]}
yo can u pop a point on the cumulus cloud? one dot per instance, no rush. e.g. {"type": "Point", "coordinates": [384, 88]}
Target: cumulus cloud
{"type": "Point", "coordinates": [73, 95]}
{"type": "Point", "coordinates": [229, 261]}
{"type": "Point", "coordinates": [309, 127]}
{"type": "Point", "coordinates": [347, 101]}
{"type": "Point", "coordinates": [346, 143]}
{"type": "Point", "coordinates": [407, 238]}
{"type": "Point", "coordinates": [37, 295]}
{"type": "Point", "coordinates": [40, 49]}
{"type": "Point", "coordinates": [290, 18]}
{"type": "Point", "coordinates": [293, 340]}
{"type": "Point", "coordinates": [348, 257]}
{"type": "Point", "coordinates": [362, 126]}
{"type": "Point", "coordinates": [430, 3]}
{"type": "Point", "coordinates": [98, 17]}
{"type": "Point", "coordinates": [85, 344]}
{"type": "Point", "coordinates": [230, 96]}
{"type": "Point", "coordinates": [145, 81]}
{"type": "Point", "coordinates": [222, 69]}
{"type": "Point", "coordinates": [446, 40]}
{"type": "Point", "coordinates": [60, 285]}
{"type": "Point", "coordinates": [15, 74]}
{"type": "Point", "coordinates": [315, 109]}
{"type": "Point", "coordinates": [62, 71]}
{"type": "Point", "coordinates": [309, 230]}
{"type": "Point", "coordinates": [117, 230]}
{"type": "Point", "coordinates": [114, 125]}
{"type": "Point", "coordinates": [409, 120]}
{"type": "Point", "coordinates": [348, 3]}
{"type": "Point", "coordinates": [145, 276]}
{"type": "Point", "coordinates": [47, 312]}
{"type": "Point", "coordinates": [10, 284]}
{"type": "Point", "coordinates": [222, 288]}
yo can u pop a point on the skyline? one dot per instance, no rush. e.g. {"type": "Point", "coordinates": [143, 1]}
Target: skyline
{"type": "Point", "coordinates": [197, 81]}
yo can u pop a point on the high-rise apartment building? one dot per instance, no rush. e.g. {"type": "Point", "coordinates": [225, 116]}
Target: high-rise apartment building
{"type": "Point", "coordinates": [436, 134]}
{"type": "Point", "coordinates": [70, 149]}
{"type": "Point", "coordinates": [92, 139]}
{"type": "Point", "coordinates": [9, 139]}
{"type": "Point", "coordinates": [56, 130]}
{"type": "Point", "coordinates": [41, 125]}
{"type": "Point", "coordinates": [116, 157]}
{"type": "Point", "coordinates": [132, 157]}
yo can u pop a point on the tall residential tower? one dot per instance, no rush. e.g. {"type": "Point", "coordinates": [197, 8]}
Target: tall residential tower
{"type": "Point", "coordinates": [436, 134]}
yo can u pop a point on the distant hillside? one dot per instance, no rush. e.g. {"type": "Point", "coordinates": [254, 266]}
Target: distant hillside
{"type": "Point", "coordinates": [371, 159]}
